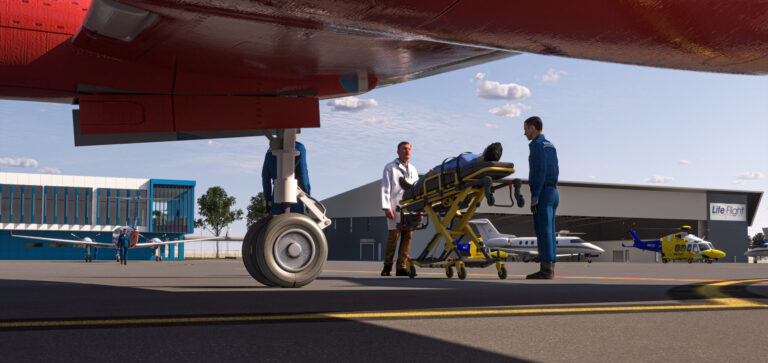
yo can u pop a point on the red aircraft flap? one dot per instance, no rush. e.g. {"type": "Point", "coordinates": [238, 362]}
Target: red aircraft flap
{"type": "Point", "coordinates": [210, 113]}
{"type": "Point", "coordinates": [125, 113]}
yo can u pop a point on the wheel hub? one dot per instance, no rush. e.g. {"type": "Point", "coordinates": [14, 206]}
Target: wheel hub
{"type": "Point", "coordinates": [294, 250]}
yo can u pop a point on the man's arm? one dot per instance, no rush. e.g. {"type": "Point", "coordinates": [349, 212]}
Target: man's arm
{"type": "Point", "coordinates": [538, 170]}
{"type": "Point", "coordinates": [302, 174]}
{"type": "Point", "coordinates": [386, 189]}
{"type": "Point", "coordinates": [266, 178]}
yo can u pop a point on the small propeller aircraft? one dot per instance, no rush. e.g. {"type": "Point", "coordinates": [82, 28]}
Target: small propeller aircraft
{"type": "Point", "coordinates": [527, 247]}
{"type": "Point", "coordinates": [682, 245]}
{"type": "Point", "coordinates": [132, 231]}
{"type": "Point", "coordinates": [759, 250]}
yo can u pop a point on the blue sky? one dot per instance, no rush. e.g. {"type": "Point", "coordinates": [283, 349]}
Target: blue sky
{"type": "Point", "coordinates": [611, 123]}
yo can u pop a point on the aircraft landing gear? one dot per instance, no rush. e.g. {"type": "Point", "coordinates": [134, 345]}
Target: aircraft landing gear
{"type": "Point", "coordinates": [290, 249]}
{"type": "Point", "coordinates": [664, 260]}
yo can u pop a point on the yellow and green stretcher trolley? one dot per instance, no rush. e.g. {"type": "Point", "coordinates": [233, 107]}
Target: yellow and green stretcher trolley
{"type": "Point", "coordinates": [450, 199]}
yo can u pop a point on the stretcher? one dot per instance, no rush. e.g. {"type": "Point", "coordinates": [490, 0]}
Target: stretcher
{"type": "Point", "coordinates": [449, 199]}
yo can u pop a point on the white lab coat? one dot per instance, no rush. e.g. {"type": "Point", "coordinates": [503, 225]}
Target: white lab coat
{"type": "Point", "coordinates": [391, 192]}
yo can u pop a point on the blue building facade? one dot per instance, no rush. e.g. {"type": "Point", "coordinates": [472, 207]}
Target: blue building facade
{"type": "Point", "coordinates": [75, 207]}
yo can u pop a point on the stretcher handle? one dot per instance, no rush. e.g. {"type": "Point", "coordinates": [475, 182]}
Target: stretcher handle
{"type": "Point", "coordinates": [514, 193]}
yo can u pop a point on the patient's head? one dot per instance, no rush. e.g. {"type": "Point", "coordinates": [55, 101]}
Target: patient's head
{"type": "Point", "coordinates": [492, 152]}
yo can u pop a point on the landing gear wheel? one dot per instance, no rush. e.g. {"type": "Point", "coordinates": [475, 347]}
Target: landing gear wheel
{"type": "Point", "coordinates": [449, 272]}
{"type": "Point", "coordinates": [664, 260]}
{"type": "Point", "coordinates": [412, 271]}
{"type": "Point", "coordinates": [503, 273]}
{"type": "Point", "coordinates": [290, 250]}
{"type": "Point", "coordinates": [709, 261]}
{"type": "Point", "coordinates": [248, 247]}
{"type": "Point", "coordinates": [462, 272]}
{"type": "Point", "coordinates": [690, 260]}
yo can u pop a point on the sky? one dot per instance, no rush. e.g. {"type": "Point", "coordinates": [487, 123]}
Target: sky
{"type": "Point", "coordinates": [611, 123]}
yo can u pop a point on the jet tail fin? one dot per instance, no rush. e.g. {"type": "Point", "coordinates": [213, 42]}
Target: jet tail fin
{"type": "Point", "coordinates": [486, 228]}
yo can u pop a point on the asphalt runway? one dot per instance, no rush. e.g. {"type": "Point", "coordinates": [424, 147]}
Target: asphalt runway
{"type": "Point", "coordinates": [212, 310]}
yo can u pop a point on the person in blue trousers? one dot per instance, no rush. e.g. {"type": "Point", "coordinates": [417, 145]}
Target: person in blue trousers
{"type": "Point", "coordinates": [122, 244]}
{"type": "Point", "coordinates": [542, 178]}
{"type": "Point", "coordinates": [269, 174]}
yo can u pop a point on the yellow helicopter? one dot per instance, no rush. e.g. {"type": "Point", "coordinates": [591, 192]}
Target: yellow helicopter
{"type": "Point", "coordinates": [682, 245]}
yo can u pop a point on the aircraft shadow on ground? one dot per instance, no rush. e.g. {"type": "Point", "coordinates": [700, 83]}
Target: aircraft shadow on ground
{"type": "Point", "coordinates": [42, 299]}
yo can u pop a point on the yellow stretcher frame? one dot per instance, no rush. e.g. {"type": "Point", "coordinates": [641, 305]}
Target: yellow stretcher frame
{"type": "Point", "coordinates": [468, 192]}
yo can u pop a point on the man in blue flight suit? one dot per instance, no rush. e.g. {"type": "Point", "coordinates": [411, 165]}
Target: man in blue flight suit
{"type": "Point", "coordinates": [269, 174]}
{"type": "Point", "coordinates": [542, 178]}
{"type": "Point", "coordinates": [122, 244]}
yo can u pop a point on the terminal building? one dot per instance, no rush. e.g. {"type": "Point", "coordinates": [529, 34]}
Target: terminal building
{"type": "Point", "coordinates": [600, 213]}
{"type": "Point", "coordinates": [75, 207]}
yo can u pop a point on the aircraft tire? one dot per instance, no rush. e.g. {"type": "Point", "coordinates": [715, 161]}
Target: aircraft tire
{"type": "Point", "coordinates": [449, 272]}
{"type": "Point", "coordinates": [462, 272]}
{"type": "Point", "coordinates": [290, 250]}
{"type": "Point", "coordinates": [690, 260]}
{"type": "Point", "coordinates": [247, 252]}
{"type": "Point", "coordinates": [664, 260]}
{"type": "Point", "coordinates": [503, 273]}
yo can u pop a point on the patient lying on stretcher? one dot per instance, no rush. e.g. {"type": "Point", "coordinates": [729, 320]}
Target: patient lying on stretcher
{"type": "Point", "coordinates": [492, 152]}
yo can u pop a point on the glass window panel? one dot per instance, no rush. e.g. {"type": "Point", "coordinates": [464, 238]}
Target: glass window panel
{"type": "Point", "coordinates": [102, 206]}
{"type": "Point", "coordinates": [111, 208]}
{"type": "Point", "coordinates": [16, 204]}
{"type": "Point", "coordinates": [38, 205]}
{"type": "Point", "coordinates": [49, 205]}
{"type": "Point", "coordinates": [71, 205]}
{"type": "Point", "coordinates": [59, 218]}
{"type": "Point", "coordinates": [28, 203]}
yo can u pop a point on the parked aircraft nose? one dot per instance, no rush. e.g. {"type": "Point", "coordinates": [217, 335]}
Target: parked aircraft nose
{"type": "Point", "coordinates": [714, 253]}
{"type": "Point", "coordinates": [595, 248]}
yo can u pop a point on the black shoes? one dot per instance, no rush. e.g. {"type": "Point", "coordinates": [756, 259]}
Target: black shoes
{"type": "Point", "coordinates": [546, 272]}
{"type": "Point", "coordinates": [386, 271]}
{"type": "Point", "coordinates": [404, 184]}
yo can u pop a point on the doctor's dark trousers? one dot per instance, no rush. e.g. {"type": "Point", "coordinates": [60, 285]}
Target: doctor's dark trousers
{"type": "Point", "coordinates": [544, 224]}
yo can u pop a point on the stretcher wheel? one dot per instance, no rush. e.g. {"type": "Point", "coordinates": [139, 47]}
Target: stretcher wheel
{"type": "Point", "coordinates": [449, 272]}
{"type": "Point", "coordinates": [503, 273]}
{"type": "Point", "coordinates": [664, 260]}
{"type": "Point", "coordinates": [290, 250]}
{"type": "Point", "coordinates": [412, 271]}
{"type": "Point", "coordinates": [462, 273]}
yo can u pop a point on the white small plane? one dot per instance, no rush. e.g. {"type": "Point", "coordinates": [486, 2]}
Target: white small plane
{"type": "Point", "coordinates": [132, 233]}
{"type": "Point", "coordinates": [761, 250]}
{"type": "Point", "coordinates": [527, 248]}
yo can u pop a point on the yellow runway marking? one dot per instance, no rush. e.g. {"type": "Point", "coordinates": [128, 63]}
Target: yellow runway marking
{"type": "Point", "coordinates": [712, 292]}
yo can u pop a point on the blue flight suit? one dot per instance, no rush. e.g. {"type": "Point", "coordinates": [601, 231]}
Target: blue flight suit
{"type": "Point", "coordinates": [542, 178]}
{"type": "Point", "coordinates": [123, 241]}
{"type": "Point", "coordinates": [269, 174]}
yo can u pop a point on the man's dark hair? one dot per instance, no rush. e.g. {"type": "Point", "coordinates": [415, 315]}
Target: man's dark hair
{"type": "Point", "coordinates": [536, 122]}
{"type": "Point", "coordinates": [492, 152]}
{"type": "Point", "coordinates": [401, 144]}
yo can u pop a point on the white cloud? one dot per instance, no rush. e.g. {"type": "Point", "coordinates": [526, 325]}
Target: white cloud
{"type": "Point", "coordinates": [553, 75]}
{"type": "Point", "coordinates": [510, 110]}
{"type": "Point", "coordinates": [659, 179]}
{"type": "Point", "coordinates": [591, 177]}
{"type": "Point", "coordinates": [683, 162]}
{"type": "Point", "coordinates": [750, 175]}
{"type": "Point", "coordinates": [211, 143]}
{"type": "Point", "coordinates": [492, 90]}
{"type": "Point", "coordinates": [374, 121]}
{"type": "Point", "coordinates": [49, 170]}
{"type": "Point", "coordinates": [479, 76]}
{"type": "Point", "coordinates": [19, 162]}
{"type": "Point", "coordinates": [489, 125]}
{"type": "Point", "coordinates": [351, 104]}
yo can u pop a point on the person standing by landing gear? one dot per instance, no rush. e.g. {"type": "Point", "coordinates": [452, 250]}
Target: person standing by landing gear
{"type": "Point", "coordinates": [542, 178]}
{"type": "Point", "coordinates": [397, 173]}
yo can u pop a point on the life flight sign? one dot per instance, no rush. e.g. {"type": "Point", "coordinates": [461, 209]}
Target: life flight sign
{"type": "Point", "coordinates": [727, 212]}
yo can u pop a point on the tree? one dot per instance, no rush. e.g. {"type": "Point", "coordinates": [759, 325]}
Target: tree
{"type": "Point", "coordinates": [257, 209]}
{"type": "Point", "coordinates": [215, 208]}
{"type": "Point", "coordinates": [757, 240]}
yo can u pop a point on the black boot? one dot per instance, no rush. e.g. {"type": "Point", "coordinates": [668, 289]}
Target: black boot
{"type": "Point", "coordinates": [387, 270]}
{"type": "Point", "coordinates": [546, 272]}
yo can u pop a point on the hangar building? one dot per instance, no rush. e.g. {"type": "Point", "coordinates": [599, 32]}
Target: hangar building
{"type": "Point", "coordinates": [75, 207]}
{"type": "Point", "coordinates": [601, 212]}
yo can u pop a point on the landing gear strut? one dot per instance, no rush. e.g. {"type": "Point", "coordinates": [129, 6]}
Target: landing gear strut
{"type": "Point", "coordinates": [287, 250]}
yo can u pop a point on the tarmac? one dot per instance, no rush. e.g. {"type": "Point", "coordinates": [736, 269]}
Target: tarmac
{"type": "Point", "coordinates": [212, 310]}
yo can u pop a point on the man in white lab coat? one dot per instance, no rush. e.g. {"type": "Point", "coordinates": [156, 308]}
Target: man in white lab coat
{"type": "Point", "coordinates": [391, 194]}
